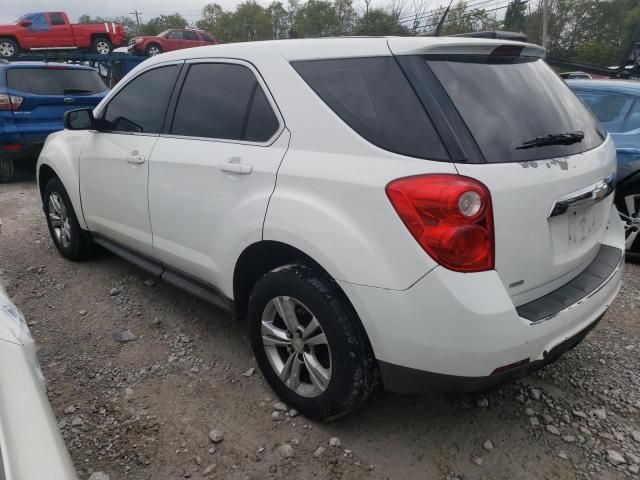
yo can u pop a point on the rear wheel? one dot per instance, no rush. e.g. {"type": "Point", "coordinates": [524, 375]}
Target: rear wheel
{"type": "Point", "coordinates": [69, 238]}
{"type": "Point", "coordinates": [309, 344]}
{"type": "Point", "coordinates": [8, 48]}
{"type": "Point", "coordinates": [628, 203]}
{"type": "Point", "coordinates": [153, 50]}
{"type": "Point", "coordinates": [101, 46]}
{"type": "Point", "coordinates": [7, 169]}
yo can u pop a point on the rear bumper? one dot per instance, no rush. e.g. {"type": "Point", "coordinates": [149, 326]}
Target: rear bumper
{"type": "Point", "coordinates": [409, 380]}
{"type": "Point", "coordinates": [27, 150]}
{"type": "Point", "coordinates": [455, 331]}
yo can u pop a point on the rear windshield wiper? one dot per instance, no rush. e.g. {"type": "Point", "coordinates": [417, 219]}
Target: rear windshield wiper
{"type": "Point", "coordinates": [71, 91]}
{"type": "Point", "coordinates": [568, 138]}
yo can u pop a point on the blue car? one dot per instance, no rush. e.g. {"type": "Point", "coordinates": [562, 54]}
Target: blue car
{"type": "Point", "coordinates": [616, 103]}
{"type": "Point", "coordinates": [33, 99]}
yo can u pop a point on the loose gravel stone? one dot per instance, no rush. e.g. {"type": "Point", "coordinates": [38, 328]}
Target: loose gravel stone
{"type": "Point", "coordinates": [553, 430]}
{"type": "Point", "coordinates": [149, 283]}
{"type": "Point", "coordinates": [477, 460]}
{"type": "Point", "coordinates": [334, 442]}
{"type": "Point", "coordinates": [215, 436]}
{"type": "Point", "coordinates": [569, 438]}
{"type": "Point", "coordinates": [281, 407]}
{"type": "Point", "coordinates": [276, 416]}
{"type": "Point", "coordinates": [99, 476]}
{"type": "Point", "coordinates": [115, 291]}
{"type": "Point", "coordinates": [534, 421]}
{"type": "Point", "coordinates": [632, 458]}
{"type": "Point", "coordinates": [487, 445]}
{"type": "Point", "coordinates": [319, 452]}
{"type": "Point", "coordinates": [529, 412]}
{"type": "Point", "coordinates": [536, 393]}
{"type": "Point", "coordinates": [563, 455]}
{"type": "Point", "coordinates": [285, 450]}
{"type": "Point", "coordinates": [482, 402]}
{"type": "Point", "coordinates": [615, 458]}
{"type": "Point", "coordinates": [599, 413]}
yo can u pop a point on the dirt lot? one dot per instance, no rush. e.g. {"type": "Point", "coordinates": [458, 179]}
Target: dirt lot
{"type": "Point", "coordinates": [144, 409]}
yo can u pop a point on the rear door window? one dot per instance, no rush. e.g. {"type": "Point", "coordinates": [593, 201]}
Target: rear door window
{"type": "Point", "coordinates": [375, 99]}
{"type": "Point", "coordinates": [141, 104]}
{"type": "Point", "coordinates": [506, 101]}
{"type": "Point", "coordinates": [223, 101]}
{"type": "Point", "coordinates": [190, 36]}
{"type": "Point", "coordinates": [56, 19]}
{"type": "Point", "coordinates": [55, 81]}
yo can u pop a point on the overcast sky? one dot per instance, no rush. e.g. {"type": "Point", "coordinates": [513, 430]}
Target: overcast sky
{"type": "Point", "coordinates": [12, 9]}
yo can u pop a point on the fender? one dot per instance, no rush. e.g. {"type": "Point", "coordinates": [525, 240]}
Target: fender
{"type": "Point", "coordinates": [61, 153]}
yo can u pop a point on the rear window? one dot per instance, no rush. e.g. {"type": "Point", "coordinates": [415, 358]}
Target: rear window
{"type": "Point", "coordinates": [507, 101]}
{"type": "Point", "coordinates": [375, 99]}
{"type": "Point", "coordinates": [55, 81]}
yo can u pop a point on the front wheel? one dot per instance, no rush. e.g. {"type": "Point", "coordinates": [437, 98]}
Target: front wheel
{"type": "Point", "coordinates": [101, 46]}
{"type": "Point", "coordinates": [628, 203]}
{"type": "Point", "coordinates": [8, 48]}
{"type": "Point", "coordinates": [153, 50]}
{"type": "Point", "coordinates": [309, 343]}
{"type": "Point", "coordinates": [69, 238]}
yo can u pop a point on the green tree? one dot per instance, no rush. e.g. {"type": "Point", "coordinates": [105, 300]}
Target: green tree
{"type": "Point", "coordinates": [377, 21]}
{"type": "Point", "coordinates": [316, 18]}
{"type": "Point", "coordinates": [515, 18]}
{"type": "Point", "coordinates": [279, 20]}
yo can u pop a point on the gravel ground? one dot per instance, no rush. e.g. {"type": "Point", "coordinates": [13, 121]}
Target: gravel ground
{"type": "Point", "coordinates": [147, 408]}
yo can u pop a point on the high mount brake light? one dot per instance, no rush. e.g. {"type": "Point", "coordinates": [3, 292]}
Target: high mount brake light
{"type": "Point", "coordinates": [10, 102]}
{"type": "Point", "coordinates": [450, 216]}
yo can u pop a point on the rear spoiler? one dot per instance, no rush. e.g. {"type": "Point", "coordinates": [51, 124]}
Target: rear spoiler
{"type": "Point", "coordinates": [495, 34]}
{"type": "Point", "coordinates": [461, 46]}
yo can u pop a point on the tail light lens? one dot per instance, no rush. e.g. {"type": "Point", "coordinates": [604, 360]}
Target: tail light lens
{"type": "Point", "coordinates": [10, 102]}
{"type": "Point", "coordinates": [450, 216]}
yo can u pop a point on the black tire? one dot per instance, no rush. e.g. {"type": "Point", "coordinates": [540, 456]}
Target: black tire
{"type": "Point", "coordinates": [8, 48]}
{"type": "Point", "coordinates": [7, 169]}
{"type": "Point", "coordinates": [630, 219]}
{"type": "Point", "coordinates": [79, 245]}
{"type": "Point", "coordinates": [101, 46]}
{"type": "Point", "coordinates": [353, 373]}
{"type": "Point", "coordinates": [150, 49]}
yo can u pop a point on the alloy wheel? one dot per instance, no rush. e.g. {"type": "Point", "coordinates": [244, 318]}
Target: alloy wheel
{"type": "Point", "coordinates": [296, 346]}
{"type": "Point", "coordinates": [103, 48]}
{"type": "Point", "coordinates": [631, 219]}
{"type": "Point", "coordinates": [153, 51]}
{"type": "Point", "coordinates": [59, 220]}
{"type": "Point", "coordinates": [7, 50]}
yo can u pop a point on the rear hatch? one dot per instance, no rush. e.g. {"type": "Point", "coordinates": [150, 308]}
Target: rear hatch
{"type": "Point", "coordinates": [549, 167]}
{"type": "Point", "coordinates": [49, 91]}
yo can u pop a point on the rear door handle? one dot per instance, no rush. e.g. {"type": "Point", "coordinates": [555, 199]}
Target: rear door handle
{"type": "Point", "coordinates": [233, 165]}
{"type": "Point", "coordinates": [135, 159]}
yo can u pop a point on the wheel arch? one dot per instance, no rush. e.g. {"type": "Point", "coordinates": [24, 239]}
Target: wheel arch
{"type": "Point", "coordinates": [59, 158]}
{"type": "Point", "coordinates": [260, 258]}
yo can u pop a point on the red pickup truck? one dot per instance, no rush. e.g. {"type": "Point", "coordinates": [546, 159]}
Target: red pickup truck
{"type": "Point", "coordinates": [52, 31]}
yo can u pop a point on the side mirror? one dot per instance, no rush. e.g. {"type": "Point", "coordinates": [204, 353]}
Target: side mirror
{"type": "Point", "coordinates": [79, 119]}
{"type": "Point", "coordinates": [25, 23]}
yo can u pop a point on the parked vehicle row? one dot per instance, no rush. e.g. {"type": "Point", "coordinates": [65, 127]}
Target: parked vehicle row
{"type": "Point", "coordinates": [616, 104]}
{"type": "Point", "coordinates": [349, 198]}
{"type": "Point", "coordinates": [53, 31]}
{"type": "Point", "coordinates": [33, 99]}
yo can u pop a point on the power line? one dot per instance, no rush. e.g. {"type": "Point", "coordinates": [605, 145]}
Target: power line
{"type": "Point", "coordinates": [137, 14]}
{"type": "Point", "coordinates": [429, 12]}
{"type": "Point", "coordinates": [469, 15]}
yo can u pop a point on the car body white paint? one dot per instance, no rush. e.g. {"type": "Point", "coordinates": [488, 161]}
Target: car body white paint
{"type": "Point", "coordinates": [320, 187]}
{"type": "Point", "coordinates": [30, 443]}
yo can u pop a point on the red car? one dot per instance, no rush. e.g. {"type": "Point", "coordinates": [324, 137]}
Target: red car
{"type": "Point", "coordinates": [169, 40]}
{"type": "Point", "coordinates": [52, 31]}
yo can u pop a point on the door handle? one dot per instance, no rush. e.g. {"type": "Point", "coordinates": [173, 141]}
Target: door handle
{"type": "Point", "coordinates": [135, 159]}
{"type": "Point", "coordinates": [233, 165]}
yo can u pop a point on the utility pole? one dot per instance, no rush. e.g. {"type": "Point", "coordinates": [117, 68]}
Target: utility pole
{"type": "Point", "coordinates": [545, 21]}
{"type": "Point", "coordinates": [137, 14]}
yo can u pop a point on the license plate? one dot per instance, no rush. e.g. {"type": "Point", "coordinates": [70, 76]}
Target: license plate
{"type": "Point", "coordinates": [582, 224]}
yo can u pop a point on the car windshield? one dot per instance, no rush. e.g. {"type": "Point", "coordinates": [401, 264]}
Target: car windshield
{"type": "Point", "coordinates": [55, 81]}
{"type": "Point", "coordinates": [164, 34]}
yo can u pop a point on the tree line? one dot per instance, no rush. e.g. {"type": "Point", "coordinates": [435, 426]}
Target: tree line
{"type": "Point", "coordinates": [590, 31]}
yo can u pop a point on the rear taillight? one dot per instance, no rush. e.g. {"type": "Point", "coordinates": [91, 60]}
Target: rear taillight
{"type": "Point", "coordinates": [10, 102]}
{"type": "Point", "coordinates": [11, 147]}
{"type": "Point", "coordinates": [450, 216]}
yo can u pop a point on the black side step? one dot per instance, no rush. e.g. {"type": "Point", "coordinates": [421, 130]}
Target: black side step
{"type": "Point", "coordinates": [183, 281]}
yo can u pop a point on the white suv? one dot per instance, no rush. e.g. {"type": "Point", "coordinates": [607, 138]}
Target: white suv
{"type": "Point", "coordinates": [434, 213]}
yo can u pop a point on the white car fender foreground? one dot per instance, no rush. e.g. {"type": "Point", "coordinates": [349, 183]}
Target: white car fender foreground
{"type": "Point", "coordinates": [31, 446]}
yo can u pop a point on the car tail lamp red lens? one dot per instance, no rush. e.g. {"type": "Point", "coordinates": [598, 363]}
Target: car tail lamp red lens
{"type": "Point", "coordinates": [11, 147]}
{"type": "Point", "coordinates": [450, 216]}
{"type": "Point", "coordinates": [10, 102]}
